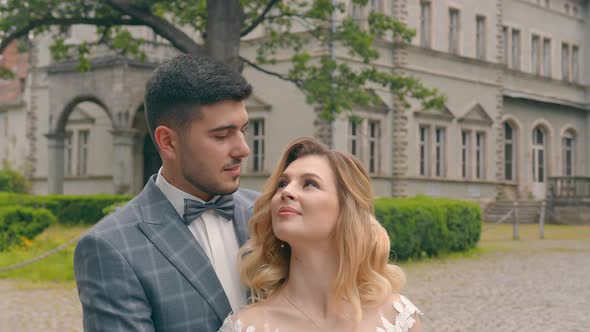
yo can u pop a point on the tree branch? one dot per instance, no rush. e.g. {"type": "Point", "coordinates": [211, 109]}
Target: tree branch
{"type": "Point", "coordinates": [50, 21]}
{"type": "Point", "coordinates": [174, 35]}
{"type": "Point", "coordinates": [271, 73]}
{"type": "Point", "coordinates": [260, 18]}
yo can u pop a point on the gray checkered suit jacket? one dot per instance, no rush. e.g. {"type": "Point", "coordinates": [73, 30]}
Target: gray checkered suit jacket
{"type": "Point", "coordinates": [141, 269]}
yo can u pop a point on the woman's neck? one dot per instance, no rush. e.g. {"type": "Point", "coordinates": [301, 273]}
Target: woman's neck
{"type": "Point", "coordinates": [311, 277]}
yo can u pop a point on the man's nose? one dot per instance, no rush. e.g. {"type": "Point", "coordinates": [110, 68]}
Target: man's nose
{"type": "Point", "coordinates": [241, 150]}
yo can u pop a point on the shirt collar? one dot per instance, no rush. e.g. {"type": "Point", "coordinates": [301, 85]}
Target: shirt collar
{"type": "Point", "coordinates": [175, 195]}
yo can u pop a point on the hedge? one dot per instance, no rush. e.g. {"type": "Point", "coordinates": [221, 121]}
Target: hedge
{"type": "Point", "coordinates": [18, 223]}
{"type": "Point", "coordinates": [13, 181]}
{"type": "Point", "coordinates": [69, 210]}
{"type": "Point", "coordinates": [425, 226]}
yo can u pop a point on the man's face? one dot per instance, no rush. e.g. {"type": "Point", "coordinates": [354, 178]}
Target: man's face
{"type": "Point", "coordinates": [212, 149]}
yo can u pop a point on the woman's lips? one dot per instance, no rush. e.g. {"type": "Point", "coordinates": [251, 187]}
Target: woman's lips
{"type": "Point", "coordinates": [287, 211]}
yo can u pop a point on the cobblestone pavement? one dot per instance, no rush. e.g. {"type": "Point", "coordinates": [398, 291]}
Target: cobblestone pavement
{"type": "Point", "coordinates": [28, 307]}
{"type": "Point", "coordinates": [543, 286]}
{"type": "Point", "coordinates": [539, 286]}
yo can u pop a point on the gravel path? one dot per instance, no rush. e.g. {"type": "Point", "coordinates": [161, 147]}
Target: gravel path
{"type": "Point", "coordinates": [520, 286]}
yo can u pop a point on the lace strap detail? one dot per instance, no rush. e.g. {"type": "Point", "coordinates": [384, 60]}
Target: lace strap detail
{"type": "Point", "coordinates": [230, 326]}
{"type": "Point", "coordinates": [404, 319]}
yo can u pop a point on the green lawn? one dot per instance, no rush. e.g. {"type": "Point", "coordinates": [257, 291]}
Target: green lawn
{"type": "Point", "coordinates": [58, 267]}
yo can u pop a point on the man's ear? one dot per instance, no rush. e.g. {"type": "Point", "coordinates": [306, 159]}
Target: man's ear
{"type": "Point", "coordinates": [167, 140]}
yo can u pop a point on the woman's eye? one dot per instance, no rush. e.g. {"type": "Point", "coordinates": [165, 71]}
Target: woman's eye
{"type": "Point", "coordinates": [282, 184]}
{"type": "Point", "coordinates": [310, 183]}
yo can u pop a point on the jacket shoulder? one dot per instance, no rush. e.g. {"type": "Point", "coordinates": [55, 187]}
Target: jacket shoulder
{"type": "Point", "coordinates": [247, 195]}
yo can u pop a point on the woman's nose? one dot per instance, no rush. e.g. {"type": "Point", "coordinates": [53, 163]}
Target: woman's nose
{"type": "Point", "coordinates": [286, 193]}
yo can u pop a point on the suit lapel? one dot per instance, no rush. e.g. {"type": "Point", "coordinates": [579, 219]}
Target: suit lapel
{"type": "Point", "coordinates": [164, 228]}
{"type": "Point", "coordinates": [242, 212]}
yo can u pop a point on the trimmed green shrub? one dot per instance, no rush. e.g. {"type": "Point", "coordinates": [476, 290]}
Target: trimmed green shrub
{"type": "Point", "coordinates": [18, 223]}
{"type": "Point", "coordinates": [425, 226]}
{"type": "Point", "coordinates": [13, 181]}
{"type": "Point", "coordinates": [69, 210]}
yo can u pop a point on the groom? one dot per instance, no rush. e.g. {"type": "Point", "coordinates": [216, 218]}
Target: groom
{"type": "Point", "coordinates": [167, 261]}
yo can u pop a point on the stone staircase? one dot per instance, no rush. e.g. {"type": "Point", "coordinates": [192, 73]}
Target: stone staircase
{"type": "Point", "coordinates": [528, 211]}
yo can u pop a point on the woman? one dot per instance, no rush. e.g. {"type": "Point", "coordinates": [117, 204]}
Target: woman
{"type": "Point", "coordinates": [317, 259]}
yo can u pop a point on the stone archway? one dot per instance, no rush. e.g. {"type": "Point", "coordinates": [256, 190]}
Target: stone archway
{"type": "Point", "coordinates": [147, 160]}
{"type": "Point", "coordinates": [115, 83]}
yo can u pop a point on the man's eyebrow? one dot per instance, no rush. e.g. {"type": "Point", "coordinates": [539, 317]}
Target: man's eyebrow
{"type": "Point", "coordinates": [227, 127]}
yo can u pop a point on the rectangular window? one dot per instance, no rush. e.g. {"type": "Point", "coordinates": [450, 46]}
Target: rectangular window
{"type": "Point", "coordinates": [377, 5]}
{"type": "Point", "coordinates": [425, 24]}
{"type": "Point", "coordinates": [83, 152]}
{"type": "Point", "coordinates": [257, 145]}
{"type": "Point", "coordinates": [374, 146]}
{"type": "Point", "coordinates": [480, 37]}
{"type": "Point", "coordinates": [565, 62]}
{"type": "Point", "coordinates": [68, 154]}
{"type": "Point", "coordinates": [508, 153]}
{"type": "Point", "coordinates": [440, 152]}
{"type": "Point", "coordinates": [465, 154]}
{"type": "Point", "coordinates": [506, 42]}
{"type": "Point", "coordinates": [357, 12]}
{"type": "Point", "coordinates": [575, 63]}
{"type": "Point", "coordinates": [454, 21]}
{"type": "Point", "coordinates": [535, 55]}
{"type": "Point", "coordinates": [424, 162]}
{"type": "Point", "coordinates": [547, 57]}
{"type": "Point", "coordinates": [353, 137]}
{"type": "Point", "coordinates": [479, 155]}
{"type": "Point", "coordinates": [515, 49]}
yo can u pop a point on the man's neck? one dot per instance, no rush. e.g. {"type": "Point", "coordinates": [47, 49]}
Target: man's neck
{"type": "Point", "coordinates": [176, 179]}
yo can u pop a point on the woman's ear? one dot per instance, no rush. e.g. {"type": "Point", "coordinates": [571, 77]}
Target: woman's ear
{"type": "Point", "coordinates": [167, 141]}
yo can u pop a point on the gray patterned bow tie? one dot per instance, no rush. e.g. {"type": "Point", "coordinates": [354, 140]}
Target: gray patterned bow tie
{"type": "Point", "coordinates": [224, 206]}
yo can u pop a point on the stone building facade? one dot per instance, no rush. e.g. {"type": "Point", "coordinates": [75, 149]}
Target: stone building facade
{"type": "Point", "coordinates": [516, 74]}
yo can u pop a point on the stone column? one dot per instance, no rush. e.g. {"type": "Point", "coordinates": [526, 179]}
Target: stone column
{"type": "Point", "coordinates": [587, 146]}
{"type": "Point", "coordinates": [55, 157]}
{"type": "Point", "coordinates": [123, 143]}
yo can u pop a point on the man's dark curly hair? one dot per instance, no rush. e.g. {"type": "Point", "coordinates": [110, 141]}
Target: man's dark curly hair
{"type": "Point", "coordinates": [178, 87]}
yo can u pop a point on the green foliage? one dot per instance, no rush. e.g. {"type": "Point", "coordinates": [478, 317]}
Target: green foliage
{"type": "Point", "coordinates": [13, 181]}
{"type": "Point", "coordinates": [19, 223]}
{"type": "Point", "coordinates": [331, 83]}
{"type": "Point", "coordinates": [424, 226]}
{"type": "Point", "coordinates": [58, 267]}
{"type": "Point", "coordinates": [69, 210]}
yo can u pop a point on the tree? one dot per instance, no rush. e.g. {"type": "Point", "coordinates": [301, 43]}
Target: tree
{"type": "Point", "coordinates": [333, 84]}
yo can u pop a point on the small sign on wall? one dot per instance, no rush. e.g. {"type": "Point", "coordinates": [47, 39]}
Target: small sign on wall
{"type": "Point", "coordinates": [433, 190]}
{"type": "Point", "coordinates": [474, 191]}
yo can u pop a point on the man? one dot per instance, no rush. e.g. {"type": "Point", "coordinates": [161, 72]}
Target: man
{"type": "Point", "coordinates": [167, 261]}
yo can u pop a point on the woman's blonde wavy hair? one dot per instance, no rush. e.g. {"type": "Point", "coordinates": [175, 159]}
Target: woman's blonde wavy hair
{"type": "Point", "coordinates": [364, 278]}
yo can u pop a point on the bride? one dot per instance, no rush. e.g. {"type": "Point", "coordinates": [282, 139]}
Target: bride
{"type": "Point", "coordinates": [317, 259]}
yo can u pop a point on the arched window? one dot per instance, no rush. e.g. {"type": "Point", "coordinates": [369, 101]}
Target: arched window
{"type": "Point", "coordinates": [539, 164]}
{"type": "Point", "coordinates": [568, 148]}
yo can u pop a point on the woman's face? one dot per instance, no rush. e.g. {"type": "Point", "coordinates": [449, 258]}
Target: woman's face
{"type": "Point", "coordinates": [305, 207]}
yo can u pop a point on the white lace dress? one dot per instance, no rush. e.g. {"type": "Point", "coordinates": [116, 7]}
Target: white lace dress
{"type": "Point", "coordinates": [405, 313]}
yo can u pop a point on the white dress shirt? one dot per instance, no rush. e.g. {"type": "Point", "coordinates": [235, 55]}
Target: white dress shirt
{"type": "Point", "coordinates": [217, 238]}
